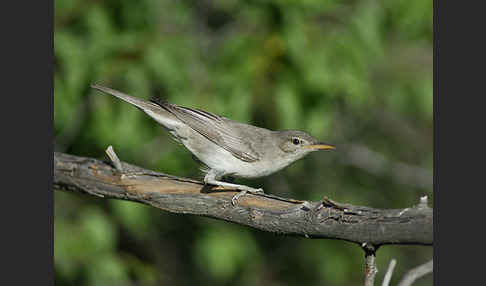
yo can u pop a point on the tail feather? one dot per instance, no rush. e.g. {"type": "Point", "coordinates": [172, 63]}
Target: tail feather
{"type": "Point", "coordinates": [140, 103]}
{"type": "Point", "coordinates": [152, 109]}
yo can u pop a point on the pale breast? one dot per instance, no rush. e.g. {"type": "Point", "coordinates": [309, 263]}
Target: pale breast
{"type": "Point", "coordinates": [222, 161]}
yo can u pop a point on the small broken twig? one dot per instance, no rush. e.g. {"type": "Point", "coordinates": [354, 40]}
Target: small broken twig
{"type": "Point", "coordinates": [114, 158]}
{"type": "Point", "coordinates": [389, 272]}
{"type": "Point", "coordinates": [416, 273]}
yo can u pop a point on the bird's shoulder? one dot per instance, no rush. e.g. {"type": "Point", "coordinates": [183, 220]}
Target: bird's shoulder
{"type": "Point", "coordinates": [235, 137]}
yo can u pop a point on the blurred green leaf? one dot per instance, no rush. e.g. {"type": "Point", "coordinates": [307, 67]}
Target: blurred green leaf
{"type": "Point", "coordinates": [224, 251]}
{"type": "Point", "coordinates": [136, 217]}
{"type": "Point", "coordinates": [107, 269]}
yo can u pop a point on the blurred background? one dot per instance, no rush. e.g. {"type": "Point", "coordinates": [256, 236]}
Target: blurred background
{"type": "Point", "coordinates": [357, 74]}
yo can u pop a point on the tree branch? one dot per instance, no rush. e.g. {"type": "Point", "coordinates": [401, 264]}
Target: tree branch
{"type": "Point", "coordinates": [322, 219]}
{"type": "Point", "coordinates": [375, 163]}
{"type": "Point", "coordinates": [370, 264]}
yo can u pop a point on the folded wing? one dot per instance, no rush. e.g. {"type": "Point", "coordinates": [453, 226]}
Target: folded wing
{"type": "Point", "coordinates": [214, 128]}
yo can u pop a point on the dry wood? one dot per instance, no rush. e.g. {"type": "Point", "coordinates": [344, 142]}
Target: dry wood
{"type": "Point", "coordinates": [322, 219]}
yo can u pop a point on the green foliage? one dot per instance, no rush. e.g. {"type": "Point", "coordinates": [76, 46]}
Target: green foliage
{"type": "Point", "coordinates": [349, 72]}
{"type": "Point", "coordinates": [220, 251]}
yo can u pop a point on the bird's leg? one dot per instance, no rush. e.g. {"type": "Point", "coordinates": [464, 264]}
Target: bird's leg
{"type": "Point", "coordinates": [235, 198]}
{"type": "Point", "coordinates": [212, 179]}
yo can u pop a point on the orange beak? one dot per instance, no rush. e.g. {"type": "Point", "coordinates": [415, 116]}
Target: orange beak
{"type": "Point", "coordinates": [321, 146]}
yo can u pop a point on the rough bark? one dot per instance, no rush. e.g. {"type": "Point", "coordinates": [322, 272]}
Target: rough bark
{"type": "Point", "coordinates": [322, 219]}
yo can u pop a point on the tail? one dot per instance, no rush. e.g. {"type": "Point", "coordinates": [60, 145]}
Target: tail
{"type": "Point", "coordinates": [153, 110]}
{"type": "Point", "coordinates": [140, 103]}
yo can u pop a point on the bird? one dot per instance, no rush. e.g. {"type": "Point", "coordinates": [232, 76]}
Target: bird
{"type": "Point", "coordinates": [226, 148]}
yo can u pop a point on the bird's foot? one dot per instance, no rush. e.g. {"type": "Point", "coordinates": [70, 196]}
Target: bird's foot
{"type": "Point", "coordinates": [244, 191]}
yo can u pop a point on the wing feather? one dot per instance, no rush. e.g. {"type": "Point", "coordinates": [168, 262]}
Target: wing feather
{"type": "Point", "coordinates": [214, 127]}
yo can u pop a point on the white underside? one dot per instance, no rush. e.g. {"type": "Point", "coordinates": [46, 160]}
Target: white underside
{"type": "Point", "coordinates": [224, 163]}
{"type": "Point", "coordinates": [216, 158]}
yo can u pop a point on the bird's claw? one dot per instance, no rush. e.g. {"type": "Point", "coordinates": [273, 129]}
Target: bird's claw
{"type": "Point", "coordinates": [235, 198]}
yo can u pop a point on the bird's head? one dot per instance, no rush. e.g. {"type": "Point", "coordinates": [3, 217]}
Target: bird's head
{"type": "Point", "coordinates": [296, 144]}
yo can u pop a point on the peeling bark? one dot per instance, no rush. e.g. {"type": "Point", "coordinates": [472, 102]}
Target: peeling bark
{"type": "Point", "coordinates": [321, 219]}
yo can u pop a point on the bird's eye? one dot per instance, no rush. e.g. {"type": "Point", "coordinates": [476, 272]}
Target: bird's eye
{"type": "Point", "coordinates": [296, 141]}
